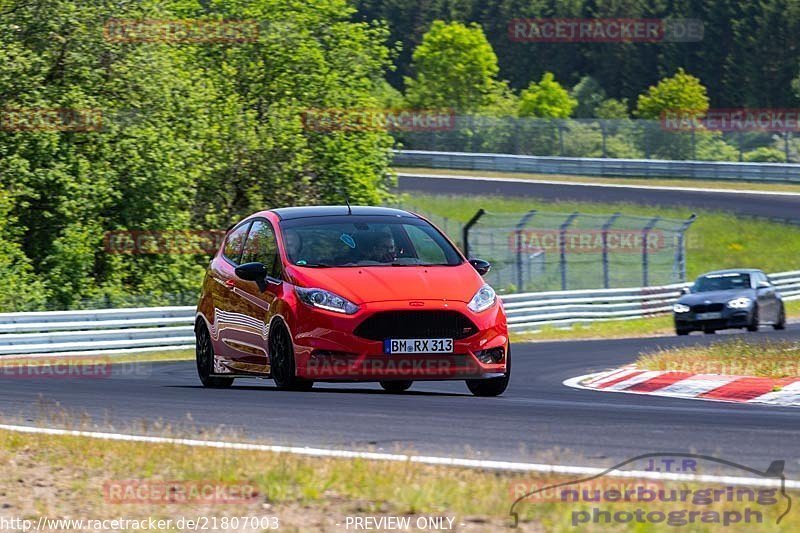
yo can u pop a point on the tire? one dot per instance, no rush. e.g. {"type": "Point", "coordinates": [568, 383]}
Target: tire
{"type": "Point", "coordinates": [281, 358]}
{"type": "Point", "coordinates": [710, 331]}
{"type": "Point", "coordinates": [204, 356]}
{"type": "Point", "coordinates": [754, 322]}
{"type": "Point", "coordinates": [781, 323]}
{"type": "Point", "coordinates": [682, 332]}
{"type": "Point", "coordinates": [491, 386]}
{"type": "Point", "coordinates": [396, 387]}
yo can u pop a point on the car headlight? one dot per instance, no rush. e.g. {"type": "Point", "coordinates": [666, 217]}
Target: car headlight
{"type": "Point", "coordinates": [483, 299]}
{"type": "Point", "coordinates": [326, 300]}
{"type": "Point", "coordinates": [740, 303]}
{"type": "Point", "coordinates": [681, 308]}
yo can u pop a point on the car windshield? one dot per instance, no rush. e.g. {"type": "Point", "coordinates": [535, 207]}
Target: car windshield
{"type": "Point", "coordinates": [347, 241]}
{"type": "Point", "coordinates": [722, 282]}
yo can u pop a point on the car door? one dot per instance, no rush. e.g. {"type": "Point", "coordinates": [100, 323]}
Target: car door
{"type": "Point", "coordinates": [255, 300]}
{"type": "Point", "coordinates": [223, 280]}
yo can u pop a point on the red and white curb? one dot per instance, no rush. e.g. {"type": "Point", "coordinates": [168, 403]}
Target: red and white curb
{"type": "Point", "coordinates": [713, 387]}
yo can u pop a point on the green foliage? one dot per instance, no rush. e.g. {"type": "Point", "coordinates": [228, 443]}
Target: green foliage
{"type": "Point", "coordinates": [546, 99]}
{"type": "Point", "coordinates": [612, 108]}
{"type": "Point", "coordinates": [589, 95]}
{"type": "Point", "coordinates": [194, 136]}
{"type": "Point", "coordinates": [765, 154]}
{"type": "Point", "coordinates": [455, 67]}
{"type": "Point", "coordinates": [682, 93]}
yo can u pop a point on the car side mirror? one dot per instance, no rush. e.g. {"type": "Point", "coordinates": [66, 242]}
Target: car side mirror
{"type": "Point", "coordinates": [483, 267]}
{"type": "Point", "coordinates": [685, 290]}
{"type": "Point", "coordinates": [252, 271]}
{"type": "Point", "coordinates": [763, 285]}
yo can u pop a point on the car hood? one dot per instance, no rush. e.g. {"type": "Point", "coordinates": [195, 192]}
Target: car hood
{"type": "Point", "coordinates": [387, 283]}
{"type": "Point", "coordinates": [716, 296]}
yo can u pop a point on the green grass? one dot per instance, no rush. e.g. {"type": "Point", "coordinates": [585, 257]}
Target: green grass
{"type": "Point", "coordinates": [64, 476]}
{"type": "Point", "coordinates": [716, 240]}
{"type": "Point", "coordinates": [738, 357]}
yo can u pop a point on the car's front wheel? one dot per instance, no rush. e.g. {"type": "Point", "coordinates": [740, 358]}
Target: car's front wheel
{"type": "Point", "coordinates": [204, 355]}
{"type": "Point", "coordinates": [491, 386]}
{"type": "Point", "coordinates": [781, 323]}
{"type": "Point", "coordinates": [396, 386]}
{"type": "Point", "coordinates": [681, 331]}
{"type": "Point", "coordinates": [281, 362]}
{"type": "Point", "coordinates": [754, 321]}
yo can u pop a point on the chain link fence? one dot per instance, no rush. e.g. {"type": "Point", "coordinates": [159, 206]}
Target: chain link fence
{"type": "Point", "coordinates": [612, 138]}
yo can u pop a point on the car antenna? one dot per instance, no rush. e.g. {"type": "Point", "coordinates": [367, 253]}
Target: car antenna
{"type": "Point", "coordinates": [347, 202]}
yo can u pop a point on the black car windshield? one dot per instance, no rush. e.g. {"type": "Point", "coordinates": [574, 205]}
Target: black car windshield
{"type": "Point", "coordinates": [349, 240]}
{"type": "Point", "coordinates": [722, 282]}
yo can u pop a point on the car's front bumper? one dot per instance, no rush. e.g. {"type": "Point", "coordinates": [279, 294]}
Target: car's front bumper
{"type": "Point", "coordinates": [729, 318]}
{"type": "Point", "coordinates": [327, 349]}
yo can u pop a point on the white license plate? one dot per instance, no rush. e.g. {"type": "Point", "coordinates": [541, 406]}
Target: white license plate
{"type": "Point", "coordinates": [391, 346]}
{"type": "Point", "coordinates": [708, 316]}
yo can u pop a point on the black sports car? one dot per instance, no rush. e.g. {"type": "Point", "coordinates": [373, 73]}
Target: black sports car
{"type": "Point", "coordinates": [729, 299]}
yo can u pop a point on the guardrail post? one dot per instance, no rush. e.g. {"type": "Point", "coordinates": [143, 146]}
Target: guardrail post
{"type": "Point", "coordinates": [645, 263]}
{"type": "Point", "coordinates": [518, 235]}
{"type": "Point", "coordinates": [562, 260]}
{"type": "Point", "coordinates": [605, 229]}
{"type": "Point", "coordinates": [680, 249]}
{"type": "Point", "coordinates": [468, 226]}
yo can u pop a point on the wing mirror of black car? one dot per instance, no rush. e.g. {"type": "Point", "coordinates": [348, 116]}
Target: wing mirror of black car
{"type": "Point", "coordinates": [483, 267]}
{"type": "Point", "coordinates": [685, 290]}
{"type": "Point", "coordinates": [763, 285]}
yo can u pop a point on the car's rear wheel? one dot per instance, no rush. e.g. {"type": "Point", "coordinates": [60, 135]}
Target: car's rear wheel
{"type": "Point", "coordinates": [681, 331]}
{"type": "Point", "coordinates": [396, 386]}
{"type": "Point", "coordinates": [781, 323]}
{"type": "Point", "coordinates": [281, 358]}
{"type": "Point", "coordinates": [492, 386]}
{"type": "Point", "coordinates": [754, 321]}
{"type": "Point", "coordinates": [204, 355]}
{"type": "Point", "coordinates": [709, 331]}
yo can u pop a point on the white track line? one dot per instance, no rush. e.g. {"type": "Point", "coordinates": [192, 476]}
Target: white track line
{"type": "Point", "coordinates": [597, 184]}
{"type": "Point", "coordinates": [421, 459]}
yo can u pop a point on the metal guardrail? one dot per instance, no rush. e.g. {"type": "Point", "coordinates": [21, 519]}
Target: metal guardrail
{"type": "Point", "coordinates": [164, 328]}
{"type": "Point", "coordinates": [528, 311]}
{"type": "Point", "coordinates": [606, 167]}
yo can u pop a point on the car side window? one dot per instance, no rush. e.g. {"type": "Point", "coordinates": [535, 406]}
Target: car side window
{"type": "Point", "coordinates": [234, 243]}
{"type": "Point", "coordinates": [261, 247]}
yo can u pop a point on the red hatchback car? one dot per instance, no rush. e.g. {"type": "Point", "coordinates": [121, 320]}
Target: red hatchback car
{"type": "Point", "coordinates": [341, 294]}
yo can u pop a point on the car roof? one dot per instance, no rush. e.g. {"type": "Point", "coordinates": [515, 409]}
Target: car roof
{"type": "Point", "coordinates": [289, 213]}
{"type": "Point", "coordinates": [732, 271]}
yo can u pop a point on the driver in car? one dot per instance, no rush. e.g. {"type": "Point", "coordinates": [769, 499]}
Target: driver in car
{"type": "Point", "coordinates": [383, 249]}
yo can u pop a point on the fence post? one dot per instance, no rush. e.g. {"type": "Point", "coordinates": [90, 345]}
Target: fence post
{"type": "Point", "coordinates": [518, 235]}
{"type": "Point", "coordinates": [468, 226]}
{"type": "Point", "coordinates": [603, 134]}
{"type": "Point", "coordinates": [605, 229]}
{"type": "Point", "coordinates": [562, 261]}
{"type": "Point", "coordinates": [680, 251]}
{"type": "Point", "coordinates": [560, 138]}
{"type": "Point", "coordinates": [645, 265]}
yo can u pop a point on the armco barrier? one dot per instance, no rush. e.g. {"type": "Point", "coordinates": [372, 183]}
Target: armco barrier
{"type": "Point", "coordinates": [607, 167]}
{"type": "Point", "coordinates": [148, 328]}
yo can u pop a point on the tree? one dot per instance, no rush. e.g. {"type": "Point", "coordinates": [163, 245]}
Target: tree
{"type": "Point", "coordinates": [455, 67]}
{"type": "Point", "coordinates": [681, 93]}
{"type": "Point", "coordinates": [589, 95]}
{"type": "Point", "coordinates": [546, 99]}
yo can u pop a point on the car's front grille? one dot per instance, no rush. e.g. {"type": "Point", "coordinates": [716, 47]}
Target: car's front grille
{"type": "Point", "coordinates": [706, 308]}
{"type": "Point", "coordinates": [416, 325]}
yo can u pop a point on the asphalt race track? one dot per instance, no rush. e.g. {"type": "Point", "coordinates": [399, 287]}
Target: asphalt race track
{"type": "Point", "coordinates": [760, 205]}
{"type": "Point", "coordinates": [538, 419]}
